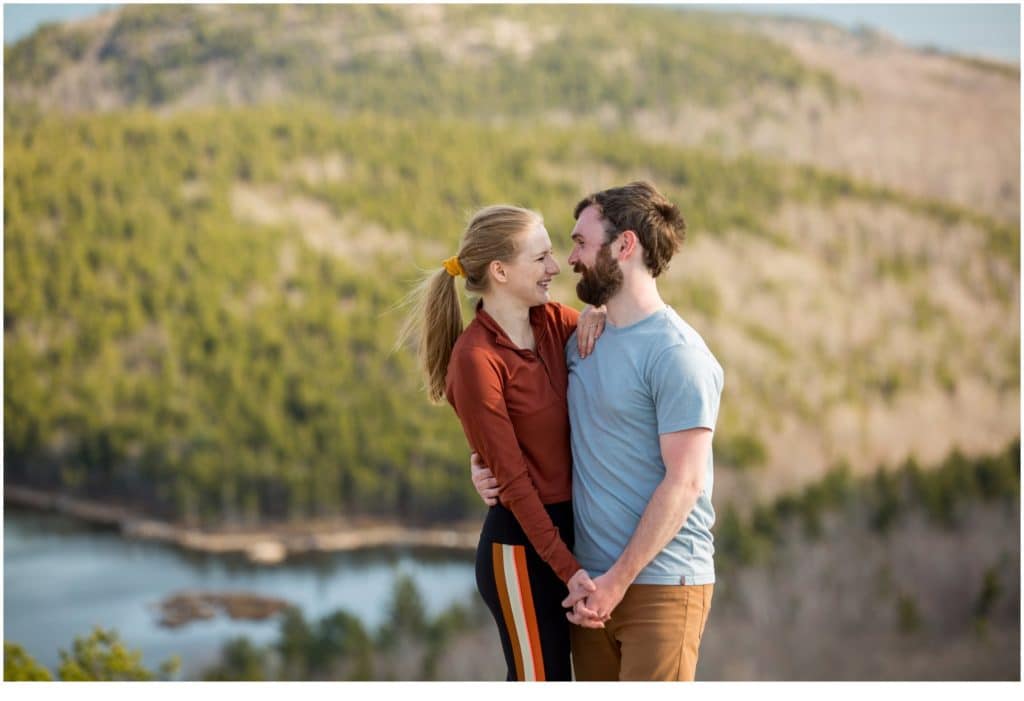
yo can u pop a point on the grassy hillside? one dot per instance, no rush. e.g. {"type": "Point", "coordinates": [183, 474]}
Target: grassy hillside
{"type": "Point", "coordinates": [806, 92]}
{"type": "Point", "coordinates": [457, 60]}
{"type": "Point", "coordinates": [199, 308]}
{"type": "Point", "coordinates": [212, 211]}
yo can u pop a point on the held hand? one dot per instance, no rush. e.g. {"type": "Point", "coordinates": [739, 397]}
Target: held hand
{"type": "Point", "coordinates": [580, 585]}
{"type": "Point", "coordinates": [589, 328]}
{"type": "Point", "coordinates": [483, 481]}
{"type": "Point", "coordinates": [584, 617]}
{"type": "Point", "coordinates": [610, 590]}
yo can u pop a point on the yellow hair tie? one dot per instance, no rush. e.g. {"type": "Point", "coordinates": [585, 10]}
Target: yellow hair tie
{"type": "Point", "coordinates": [454, 267]}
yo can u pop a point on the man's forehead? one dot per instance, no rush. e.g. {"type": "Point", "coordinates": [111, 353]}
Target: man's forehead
{"type": "Point", "coordinates": [589, 222]}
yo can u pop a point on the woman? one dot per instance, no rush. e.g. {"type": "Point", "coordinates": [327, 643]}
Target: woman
{"type": "Point", "coordinates": [506, 378]}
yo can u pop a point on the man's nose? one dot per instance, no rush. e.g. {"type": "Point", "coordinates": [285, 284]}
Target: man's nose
{"type": "Point", "coordinates": [573, 258]}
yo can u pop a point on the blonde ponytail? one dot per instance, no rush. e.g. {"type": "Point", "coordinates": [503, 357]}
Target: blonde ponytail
{"type": "Point", "coordinates": [435, 317]}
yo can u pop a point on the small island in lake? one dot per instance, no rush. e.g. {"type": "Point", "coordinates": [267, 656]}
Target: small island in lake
{"type": "Point", "coordinates": [185, 607]}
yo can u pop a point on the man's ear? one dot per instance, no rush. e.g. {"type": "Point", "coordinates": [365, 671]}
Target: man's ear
{"type": "Point", "coordinates": [630, 242]}
{"type": "Point", "coordinates": [497, 271]}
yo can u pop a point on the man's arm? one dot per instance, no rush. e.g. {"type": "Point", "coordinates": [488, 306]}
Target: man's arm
{"type": "Point", "coordinates": [685, 455]}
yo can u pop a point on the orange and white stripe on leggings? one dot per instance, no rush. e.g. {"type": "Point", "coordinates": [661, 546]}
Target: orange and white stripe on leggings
{"type": "Point", "coordinates": [517, 608]}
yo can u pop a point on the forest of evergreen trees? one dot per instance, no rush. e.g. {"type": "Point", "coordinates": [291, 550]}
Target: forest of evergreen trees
{"type": "Point", "coordinates": [177, 344]}
{"type": "Point", "coordinates": [375, 58]}
{"type": "Point", "coordinates": [160, 353]}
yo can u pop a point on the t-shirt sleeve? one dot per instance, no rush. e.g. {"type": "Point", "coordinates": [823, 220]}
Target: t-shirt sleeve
{"type": "Point", "coordinates": [475, 391]}
{"type": "Point", "coordinates": [686, 382]}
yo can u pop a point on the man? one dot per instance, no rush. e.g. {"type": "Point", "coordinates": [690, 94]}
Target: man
{"type": "Point", "coordinates": [642, 409]}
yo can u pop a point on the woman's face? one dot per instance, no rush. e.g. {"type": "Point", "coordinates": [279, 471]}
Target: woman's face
{"type": "Point", "coordinates": [529, 274]}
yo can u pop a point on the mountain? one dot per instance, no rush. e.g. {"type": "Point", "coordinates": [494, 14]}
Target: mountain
{"type": "Point", "coordinates": [798, 90]}
{"type": "Point", "coordinates": [211, 213]}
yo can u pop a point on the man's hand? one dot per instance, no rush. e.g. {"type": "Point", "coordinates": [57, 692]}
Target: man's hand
{"type": "Point", "coordinates": [598, 606]}
{"type": "Point", "coordinates": [579, 587]}
{"type": "Point", "coordinates": [584, 617]}
{"type": "Point", "coordinates": [589, 328]}
{"type": "Point", "coordinates": [484, 482]}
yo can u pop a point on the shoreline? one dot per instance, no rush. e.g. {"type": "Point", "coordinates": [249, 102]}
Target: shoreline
{"type": "Point", "coordinates": [261, 545]}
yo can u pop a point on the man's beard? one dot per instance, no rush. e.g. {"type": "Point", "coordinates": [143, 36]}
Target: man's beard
{"type": "Point", "coordinates": [600, 282]}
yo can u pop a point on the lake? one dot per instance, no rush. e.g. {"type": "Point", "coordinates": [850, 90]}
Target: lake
{"type": "Point", "coordinates": [62, 577]}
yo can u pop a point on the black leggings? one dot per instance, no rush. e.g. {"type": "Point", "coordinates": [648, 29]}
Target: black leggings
{"type": "Point", "coordinates": [525, 595]}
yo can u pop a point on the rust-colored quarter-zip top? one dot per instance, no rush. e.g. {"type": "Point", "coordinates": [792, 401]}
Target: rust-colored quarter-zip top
{"type": "Point", "coordinates": [512, 405]}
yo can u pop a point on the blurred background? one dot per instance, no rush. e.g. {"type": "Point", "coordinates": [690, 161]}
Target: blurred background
{"type": "Point", "coordinates": [217, 467]}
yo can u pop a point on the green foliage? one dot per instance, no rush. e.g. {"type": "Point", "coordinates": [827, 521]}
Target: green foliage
{"type": "Point", "coordinates": [769, 339]}
{"type": "Point", "coordinates": [19, 666]}
{"type": "Point", "coordinates": [440, 631]}
{"type": "Point", "coordinates": [959, 479]}
{"type": "Point", "coordinates": [835, 490]}
{"type": "Point", "coordinates": [881, 499]}
{"type": "Point", "coordinates": [101, 656]}
{"type": "Point", "coordinates": [338, 647]}
{"type": "Point", "coordinates": [703, 297]}
{"type": "Point", "coordinates": [925, 313]}
{"type": "Point", "coordinates": [1003, 238]}
{"type": "Point", "coordinates": [990, 592]}
{"type": "Point", "coordinates": [162, 353]}
{"type": "Point", "coordinates": [740, 543]}
{"type": "Point", "coordinates": [406, 614]}
{"type": "Point", "coordinates": [241, 661]}
{"type": "Point", "coordinates": [170, 349]}
{"type": "Point", "coordinates": [884, 498]}
{"type": "Point", "coordinates": [387, 59]}
{"type": "Point", "coordinates": [295, 644]}
{"type": "Point", "coordinates": [41, 55]}
{"type": "Point", "coordinates": [908, 614]}
{"type": "Point", "coordinates": [341, 635]}
{"type": "Point", "coordinates": [740, 451]}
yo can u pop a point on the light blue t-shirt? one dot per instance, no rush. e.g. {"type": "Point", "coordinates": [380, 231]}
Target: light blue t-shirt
{"type": "Point", "coordinates": [653, 377]}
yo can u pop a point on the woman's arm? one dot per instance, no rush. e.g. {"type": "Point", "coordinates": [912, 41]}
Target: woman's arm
{"type": "Point", "coordinates": [478, 397]}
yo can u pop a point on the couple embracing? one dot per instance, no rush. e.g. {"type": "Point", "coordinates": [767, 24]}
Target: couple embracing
{"type": "Point", "coordinates": [592, 438]}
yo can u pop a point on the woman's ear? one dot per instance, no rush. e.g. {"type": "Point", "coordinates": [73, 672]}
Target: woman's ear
{"type": "Point", "coordinates": [497, 271]}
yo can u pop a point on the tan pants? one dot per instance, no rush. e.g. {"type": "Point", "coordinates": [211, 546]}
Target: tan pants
{"type": "Point", "coordinates": [653, 635]}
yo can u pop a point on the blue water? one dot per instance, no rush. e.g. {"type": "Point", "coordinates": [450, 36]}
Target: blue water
{"type": "Point", "coordinates": [61, 579]}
